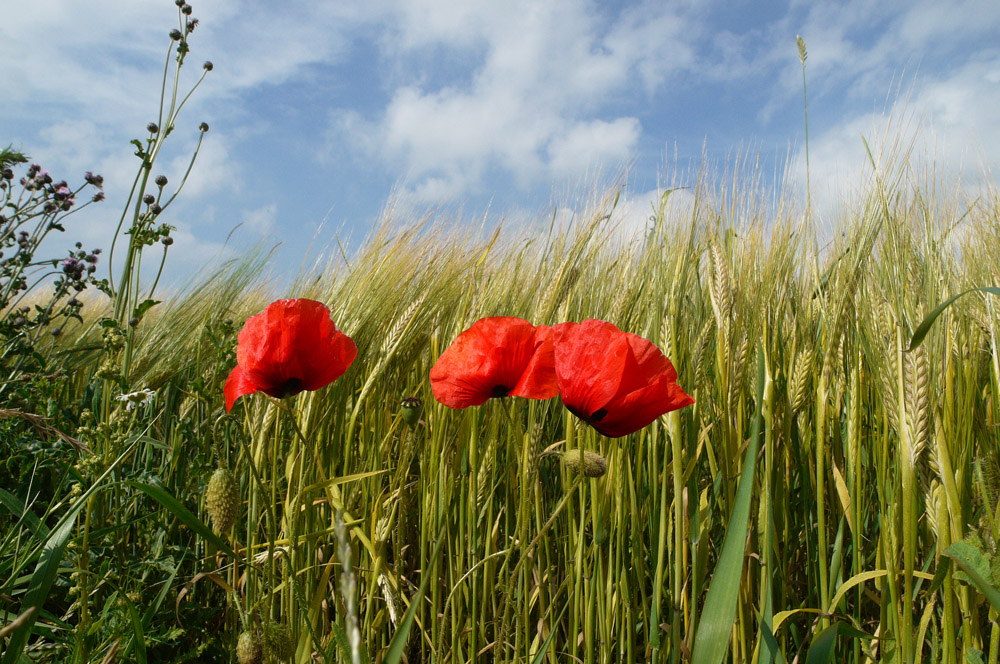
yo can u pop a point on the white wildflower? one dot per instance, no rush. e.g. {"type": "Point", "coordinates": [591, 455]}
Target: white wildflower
{"type": "Point", "coordinates": [142, 398]}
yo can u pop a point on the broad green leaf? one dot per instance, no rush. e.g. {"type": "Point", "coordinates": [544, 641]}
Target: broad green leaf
{"type": "Point", "coordinates": [712, 640]}
{"type": "Point", "coordinates": [961, 552]}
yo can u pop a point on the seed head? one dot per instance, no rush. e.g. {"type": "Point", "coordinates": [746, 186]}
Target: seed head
{"type": "Point", "coordinates": [222, 498]}
{"type": "Point", "coordinates": [594, 465]}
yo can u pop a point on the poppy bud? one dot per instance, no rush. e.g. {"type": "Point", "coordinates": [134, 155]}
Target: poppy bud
{"type": "Point", "coordinates": [56, 331]}
{"type": "Point", "coordinates": [411, 408]}
{"type": "Point", "coordinates": [222, 499]}
{"type": "Point", "coordinates": [593, 464]}
{"type": "Point", "coordinates": [278, 642]}
{"type": "Point", "coordinates": [203, 126]}
{"type": "Point", "coordinates": [161, 180]}
{"type": "Point", "coordinates": [167, 240]}
{"type": "Point", "coordinates": [176, 35]}
{"type": "Point", "coordinates": [249, 649]}
{"type": "Point", "coordinates": [208, 66]}
{"type": "Point", "coordinates": [155, 209]}
{"type": "Point", "coordinates": [152, 128]}
{"type": "Point", "coordinates": [187, 9]}
{"type": "Point", "coordinates": [149, 199]}
{"type": "Point", "coordinates": [132, 322]}
{"type": "Point", "coordinates": [180, 3]}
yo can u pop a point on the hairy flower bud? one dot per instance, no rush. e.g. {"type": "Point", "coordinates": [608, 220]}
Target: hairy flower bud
{"type": "Point", "coordinates": [152, 128]}
{"type": "Point", "coordinates": [208, 66]}
{"type": "Point", "coordinates": [249, 649]}
{"type": "Point", "coordinates": [278, 642]}
{"type": "Point", "coordinates": [593, 464]}
{"type": "Point", "coordinates": [161, 180]}
{"type": "Point", "coordinates": [222, 499]}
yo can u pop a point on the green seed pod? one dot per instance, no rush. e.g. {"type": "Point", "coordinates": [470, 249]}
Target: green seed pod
{"type": "Point", "coordinates": [594, 465]}
{"type": "Point", "coordinates": [222, 498]}
{"type": "Point", "coordinates": [411, 408]}
{"type": "Point", "coordinates": [249, 649]}
{"type": "Point", "coordinates": [278, 643]}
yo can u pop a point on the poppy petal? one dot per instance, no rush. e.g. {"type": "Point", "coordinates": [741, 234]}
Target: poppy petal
{"type": "Point", "coordinates": [589, 362]}
{"type": "Point", "coordinates": [238, 384]}
{"type": "Point", "coordinates": [293, 345]}
{"type": "Point", "coordinates": [615, 381]}
{"type": "Point", "coordinates": [495, 357]}
{"type": "Point", "coordinates": [538, 380]}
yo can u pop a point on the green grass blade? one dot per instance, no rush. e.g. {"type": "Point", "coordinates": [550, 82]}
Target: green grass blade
{"type": "Point", "coordinates": [398, 644]}
{"type": "Point", "coordinates": [175, 507]}
{"type": "Point", "coordinates": [925, 324]}
{"type": "Point", "coordinates": [719, 614]}
{"type": "Point", "coordinates": [822, 648]}
{"type": "Point", "coordinates": [39, 586]}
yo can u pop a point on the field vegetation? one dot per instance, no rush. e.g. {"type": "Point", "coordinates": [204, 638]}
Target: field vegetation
{"type": "Point", "coordinates": [832, 495]}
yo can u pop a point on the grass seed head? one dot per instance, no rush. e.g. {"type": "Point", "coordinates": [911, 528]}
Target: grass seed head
{"type": "Point", "coordinates": [222, 498]}
{"type": "Point", "coordinates": [593, 464]}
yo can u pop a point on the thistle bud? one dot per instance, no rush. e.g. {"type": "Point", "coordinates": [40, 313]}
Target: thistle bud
{"type": "Point", "coordinates": [249, 649]}
{"type": "Point", "coordinates": [411, 408]}
{"type": "Point", "coordinates": [222, 499]}
{"type": "Point", "coordinates": [593, 464]}
{"type": "Point", "coordinates": [278, 642]}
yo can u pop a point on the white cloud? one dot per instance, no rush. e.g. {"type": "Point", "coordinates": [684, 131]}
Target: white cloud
{"type": "Point", "coordinates": [530, 106]}
{"type": "Point", "coordinates": [947, 124]}
{"type": "Point", "coordinates": [260, 221]}
{"type": "Point", "coordinates": [592, 143]}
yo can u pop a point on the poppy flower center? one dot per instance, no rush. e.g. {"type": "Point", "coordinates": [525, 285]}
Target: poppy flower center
{"type": "Point", "coordinates": [500, 391]}
{"type": "Point", "coordinates": [291, 387]}
{"type": "Point", "coordinates": [597, 416]}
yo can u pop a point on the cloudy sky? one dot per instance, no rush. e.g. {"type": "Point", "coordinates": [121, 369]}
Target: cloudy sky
{"type": "Point", "coordinates": [321, 112]}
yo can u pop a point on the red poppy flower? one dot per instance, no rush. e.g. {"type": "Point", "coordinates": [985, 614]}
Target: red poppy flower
{"type": "Point", "coordinates": [496, 357]}
{"type": "Point", "coordinates": [614, 381]}
{"type": "Point", "coordinates": [292, 346]}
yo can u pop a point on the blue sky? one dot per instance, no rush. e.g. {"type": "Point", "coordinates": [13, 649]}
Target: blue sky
{"type": "Point", "coordinates": [325, 111]}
